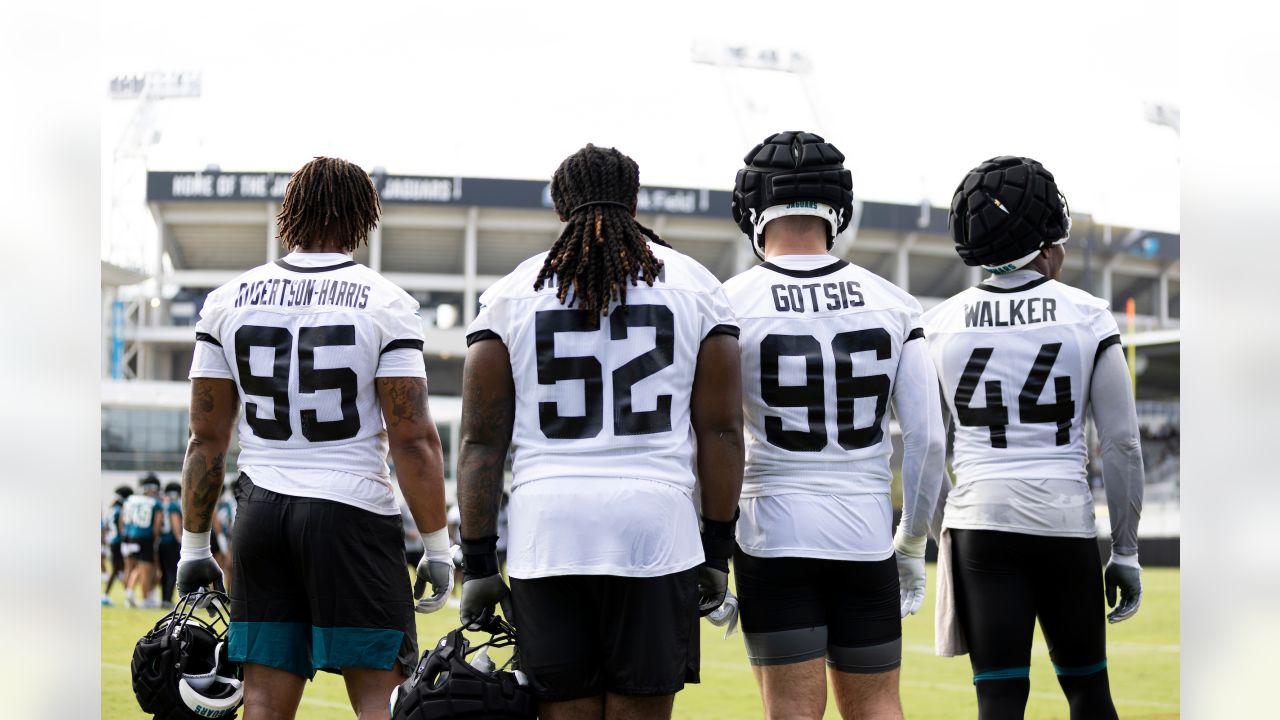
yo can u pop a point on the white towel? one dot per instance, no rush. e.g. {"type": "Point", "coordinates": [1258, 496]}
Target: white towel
{"type": "Point", "coordinates": [948, 636]}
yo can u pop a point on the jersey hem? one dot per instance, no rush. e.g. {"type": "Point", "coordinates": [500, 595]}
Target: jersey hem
{"type": "Point", "coordinates": [534, 574]}
{"type": "Point", "coordinates": [1041, 532]}
{"type": "Point", "coordinates": [320, 495]}
{"type": "Point", "coordinates": [817, 554]}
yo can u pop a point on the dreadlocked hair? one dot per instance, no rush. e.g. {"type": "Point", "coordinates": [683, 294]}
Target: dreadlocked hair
{"type": "Point", "coordinates": [329, 199]}
{"type": "Point", "coordinates": [602, 248]}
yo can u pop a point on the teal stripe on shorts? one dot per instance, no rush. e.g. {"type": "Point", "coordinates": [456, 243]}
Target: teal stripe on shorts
{"type": "Point", "coordinates": [281, 645]}
{"type": "Point", "coordinates": [342, 647]}
{"type": "Point", "coordinates": [1082, 670]}
{"type": "Point", "coordinates": [1018, 673]}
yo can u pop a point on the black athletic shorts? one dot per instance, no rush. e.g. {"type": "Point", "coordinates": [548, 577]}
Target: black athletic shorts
{"type": "Point", "coordinates": [795, 609]}
{"type": "Point", "coordinates": [585, 635]}
{"type": "Point", "coordinates": [143, 550]}
{"type": "Point", "coordinates": [318, 585]}
{"type": "Point", "coordinates": [117, 558]}
{"type": "Point", "coordinates": [1005, 581]}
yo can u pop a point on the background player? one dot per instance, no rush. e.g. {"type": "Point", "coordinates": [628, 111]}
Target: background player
{"type": "Point", "coordinates": [600, 362]}
{"type": "Point", "coordinates": [326, 356]}
{"type": "Point", "coordinates": [141, 513]}
{"type": "Point", "coordinates": [115, 536]}
{"type": "Point", "coordinates": [1020, 357]}
{"type": "Point", "coordinates": [167, 549]}
{"type": "Point", "coordinates": [825, 346]}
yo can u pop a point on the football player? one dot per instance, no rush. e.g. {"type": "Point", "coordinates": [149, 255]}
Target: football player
{"type": "Point", "coordinates": [601, 362]}
{"type": "Point", "coordinates": [1021, 357]}
{"type": "Point", "coordinates": [115, 537]}
{"type": "Point", "coordinates": [142, 521]}
{"type": "Point", "coordinates": [827, 349]}
{"type": "Point", "coordinates": [326, 356]}
{"type": "Point", "coordinates": [167, 550]}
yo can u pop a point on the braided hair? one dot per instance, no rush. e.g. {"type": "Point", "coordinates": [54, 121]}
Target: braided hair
{"type": "Point", "coordinates": [329, 199]}
{"type": "Point", "coordinates": [602, 248]}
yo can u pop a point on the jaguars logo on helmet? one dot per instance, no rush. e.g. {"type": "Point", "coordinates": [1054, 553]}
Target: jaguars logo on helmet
{"type": "Point", "coordinates": [1005, 211]}
{"type": "Point", "coordinates": [180, 668]}
{"type": "Point", "coordinates": [446, 685]}
{"type": "Point", "coordinates": [792, 173]}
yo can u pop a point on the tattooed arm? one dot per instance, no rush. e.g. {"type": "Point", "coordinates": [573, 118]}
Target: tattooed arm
{"type": "Point", "coordinates": [214, 402]}
{"type": "Point", "coordinates": [488, 415]}
{"type": "Point", "coordinates": [415, 448]}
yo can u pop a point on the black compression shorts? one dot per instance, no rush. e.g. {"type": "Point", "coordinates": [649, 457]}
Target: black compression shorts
{"type": "Point", "coordinates": [796, 609]}
{"type": "Point", "coordinates": [1005, 581]}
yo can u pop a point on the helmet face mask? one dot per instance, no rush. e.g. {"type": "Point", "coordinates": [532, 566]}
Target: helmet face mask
{"type": "Point", "coordinates": [792, 173]}
{"type": "Point", "coordinates": [1005, 211]}
{"type": "Point", "coordinates": [446, 685]}
{"type": "Point", "coordinates": [180, 667]}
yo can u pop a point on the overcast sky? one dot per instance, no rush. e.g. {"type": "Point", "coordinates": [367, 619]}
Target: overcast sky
{"type": "Point", "coordinates": [914, 93]}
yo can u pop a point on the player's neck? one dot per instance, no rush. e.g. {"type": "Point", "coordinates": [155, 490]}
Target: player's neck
{"type": "Point", "coordinates": [789, 244]}
{"type": "Point", "coordinates": [322, 247]}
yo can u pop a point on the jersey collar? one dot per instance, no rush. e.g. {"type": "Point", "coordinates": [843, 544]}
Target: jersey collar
{"type": "Point", "coordinates": [815, 272]}
{"type": "Point", "coordinates": [315, 262]}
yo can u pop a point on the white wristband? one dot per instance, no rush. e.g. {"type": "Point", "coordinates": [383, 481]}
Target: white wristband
{"type": "Point", "coordinates": [436, 544]}
{"type": "Point", "coordinates": [909, 545]}
{"type": "Point", "coordinates": [1129, 560]}
{"type": "Point", "coordinates": [195, 545]}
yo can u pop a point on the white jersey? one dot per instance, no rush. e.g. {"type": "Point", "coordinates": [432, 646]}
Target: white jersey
{"type": "Point", "coordinates": [821, 342]}
{"type": "Point", "coordinates": [1015, 356]}
{"type": "Point", "coordinates": [602, 446]}
{"type": "Point", "coordinates": [304, 338]}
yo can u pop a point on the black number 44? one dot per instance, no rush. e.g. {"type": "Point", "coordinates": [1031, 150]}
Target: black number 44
{"type": "Point", "coordinates": [995, 415]}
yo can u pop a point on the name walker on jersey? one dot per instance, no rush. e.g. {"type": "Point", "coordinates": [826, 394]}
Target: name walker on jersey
{"type": "Point", "coordinates": [294, 293]}
{"type": "Point", "coordinates": [1012, 311]}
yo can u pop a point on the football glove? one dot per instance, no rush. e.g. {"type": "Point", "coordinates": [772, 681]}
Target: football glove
{"type": "Point", "coordinates": [482, 585]}
{"type": "Point", "coordinates": [726, 616]}
{"type": "Point", "coordinates": [435, 567]}
{"type": "Point", "coordinates": [1123, 573]}
{"type": "Point", "coordinates": [196, 567]}
{"type": "Point", "coordinates": [713, 574]}
{"type": "Point", "coordinates": [909, 552]}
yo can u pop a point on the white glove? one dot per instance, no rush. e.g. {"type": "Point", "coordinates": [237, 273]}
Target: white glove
{"type": "Point", "coordinates": [909, 552]}
{"type": "Point", "coordinates": [726, 616]}
{"type": "Point", "coordinates": [436, 567]}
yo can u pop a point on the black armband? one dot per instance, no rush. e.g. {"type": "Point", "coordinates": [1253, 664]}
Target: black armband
{"type": "Point", "coordinates": [719, 541]}
{"type": "Point", "coordinates": [479, 557]}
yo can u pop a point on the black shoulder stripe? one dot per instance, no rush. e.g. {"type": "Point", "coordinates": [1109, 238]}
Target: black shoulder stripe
{"type": "Point", "coordinates": [326, 268]}
{"type": "Point", "coordinates": [402, 345]}
{"type": "Point", "coordinates": [915, 334]}
{"type": "Point", "coordinates": [479, 335]}
{"type": "Point", "coordinates": [723, 330]}
{"type": "Point", "coordinates": [1103, 344]}
{"type": "Point", "coordinates": [206, 337]}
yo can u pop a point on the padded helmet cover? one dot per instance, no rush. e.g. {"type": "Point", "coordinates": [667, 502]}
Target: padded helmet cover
{"type": "Point", "coordinates": [789, 167]}
{"type": "Point", "coordinates": [1004, 209]}
{"type": "Point", "coordinates": [445, 685]}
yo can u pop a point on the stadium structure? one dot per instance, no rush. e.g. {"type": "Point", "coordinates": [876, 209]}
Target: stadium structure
{"type": "Point", "coordinates": [446, 239]}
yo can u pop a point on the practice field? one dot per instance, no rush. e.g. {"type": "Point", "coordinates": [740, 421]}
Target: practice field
{"type": "Point", "coordinates": [1143, 655]}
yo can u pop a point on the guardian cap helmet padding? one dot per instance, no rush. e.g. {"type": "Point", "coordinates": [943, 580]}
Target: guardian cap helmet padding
{"type": "Point", "coordinates": [180, 668]}
{"type": "Point", "coordinates": [792, 173]}
{"type": "Point", "coordinates": [1004, 210]}
{"type": "Point", "coordinates": [446, 685]}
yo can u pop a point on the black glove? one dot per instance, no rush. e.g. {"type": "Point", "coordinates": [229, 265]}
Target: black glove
{"type": "Point", "coordinates": [482, 585]}
{"type": "Point", "coordinates": [713, 574]}
{"type": "Point", "coordinates": [1124, 574]}
{"type": "Point", "coordinates": [197, 574]}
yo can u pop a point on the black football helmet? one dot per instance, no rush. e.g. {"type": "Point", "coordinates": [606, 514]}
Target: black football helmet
{"type": "Point", "coordinates": [446, 685]}
{"type": "Point", "coordinates": [1006, 210]}
{"type": "Point", "coordinates": [792, 173]}
{"type": "Point", "coordinates": [180, 668]}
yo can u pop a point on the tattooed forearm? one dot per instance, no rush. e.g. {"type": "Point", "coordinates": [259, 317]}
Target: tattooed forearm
{"type": "Point", "coordinates": [202, 476]}
{"type": "Point", "coordinates": [488, 415]}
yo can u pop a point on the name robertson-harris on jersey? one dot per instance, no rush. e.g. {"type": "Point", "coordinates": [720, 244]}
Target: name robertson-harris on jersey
{"type": "Point", "coordinates": [293, 293]}
{"type": "Point", "coordinates": [1003, 313]}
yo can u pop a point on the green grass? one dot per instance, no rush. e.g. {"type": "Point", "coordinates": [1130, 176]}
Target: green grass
{"type": "Point", "coordinates": [1143, 656]}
